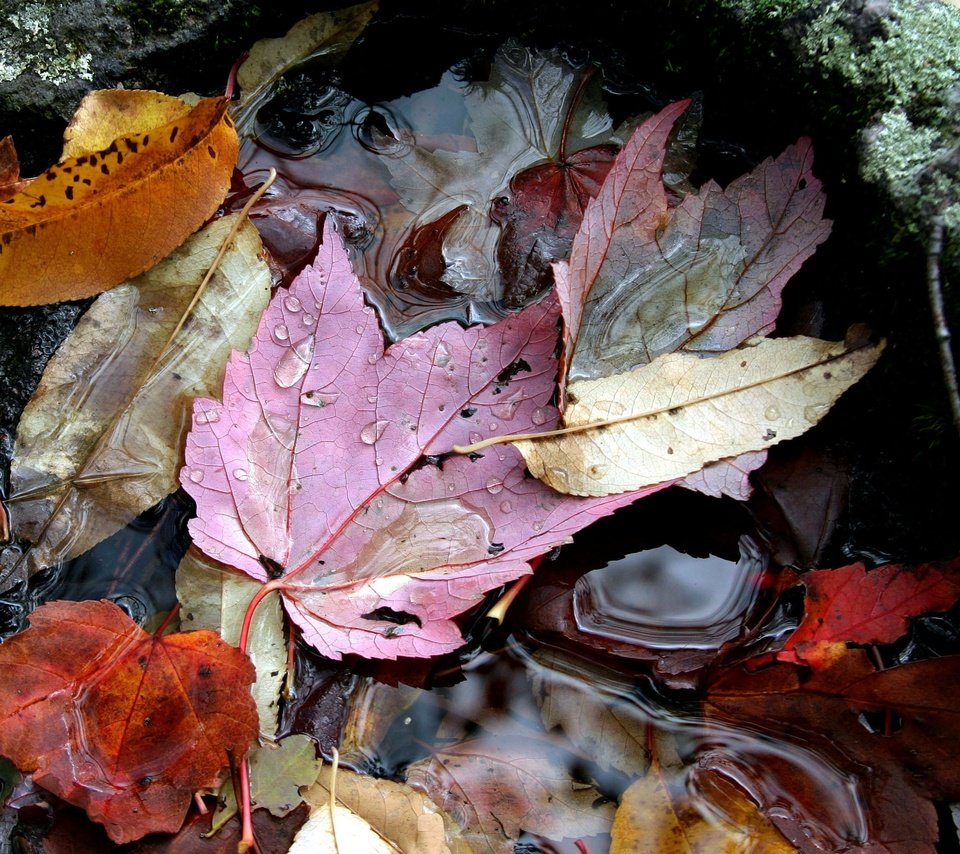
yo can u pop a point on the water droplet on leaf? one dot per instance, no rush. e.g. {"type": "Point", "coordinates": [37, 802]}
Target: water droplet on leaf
{"type": "Point", "coordinates": [240, 474]}
{"type": "Point", "coordinates": [293, 364]}
{"type": "Point", "coordinates": [494, 485]}
{"type": "Point", "coordinates": [540, 416]}
{"type": "Point", "coordinates": [505, 506]}
{"type": "Point", "coordinates": [196, 475]}
{"type": "Point", "coordinates": [281, 333]}
{"type": "Point", "coordinates": [292, 303]}
{"type": "Point", "coordinates": [771, 413]}
{"type": "Point", "coordinates": [369, 433]}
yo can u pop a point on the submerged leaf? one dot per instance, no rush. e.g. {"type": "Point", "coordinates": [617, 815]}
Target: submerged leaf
{"type": "Point", "coordinates": [127, 725]}
{"type": "Point", "coordinates": [324, 466]}
{"type": "Point", "coordinates": [671, 417]}
{"type": "Point", "coordinates": [644, 279]}
{"type": "Point", "coordinates": [92, 221]}
{"type": "Point", "coordinates": [100, 441]}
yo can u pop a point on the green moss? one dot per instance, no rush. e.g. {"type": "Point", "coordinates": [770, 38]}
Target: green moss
{"type": "Point", "coordinates": [28, 46]}
{"type": "Point", "coordinates": [912, 65]}
{"type": "Point", "coordinates": [767, 9]}
{"type": "Point", "coordinates": [161, 16]}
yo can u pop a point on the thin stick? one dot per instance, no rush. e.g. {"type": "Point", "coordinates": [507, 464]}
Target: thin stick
{"type": "Point", "coordinates": [942, 329]}
{"type": "Point", "coordinates": [271, 177]}
{"type": "Point", "coordinates": [247, 842]}
{"type": "Point", "coordinates": [333, 798]}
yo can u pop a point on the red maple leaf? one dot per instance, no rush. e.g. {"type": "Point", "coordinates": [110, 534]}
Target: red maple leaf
{"type": "Point", "coordinates": [124, 724]}
{"type": "Point", "coordinates": [855, 605]}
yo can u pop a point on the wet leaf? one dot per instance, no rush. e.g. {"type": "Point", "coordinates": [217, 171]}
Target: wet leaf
{"type": "Point", "coordinates": [529, 111]}
{"type": "Point", "coordinates": [500, 785]}
{"type": "Point", "coordinates": [672, 416]}
{"type": "Point", "coordinates": [325, 36]}
{"type": "Point", "coordinates": [10, 183]}
{"type": "Point", "coordinates": [396, 811]}
{"type": "Point", "coordinates": [896, 722]}
{"type": "Point", "coordinates": [128, 725]}
{"type": "Point", "coordinates": [324, 466]}
{"type": "Point", "coordinates": [92, 221]}
{"type": "Point", "coordinates": [212, 597]}
{"type": "Point", "coordinates": [326, 830]}
{"type": "Point", "coordinates": [856, 605]}
{"type": "Point", "coordinates": [658, 814]}
{"type": "Point", "coordinates": [106, 114]}
{"type": "Point", "coordinates": [127, 388]}
{"type": "Point", "coordinates": [644, 279]}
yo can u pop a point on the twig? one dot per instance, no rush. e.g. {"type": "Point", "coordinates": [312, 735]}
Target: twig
{"type": "Point", "coordinates": [935, 293]}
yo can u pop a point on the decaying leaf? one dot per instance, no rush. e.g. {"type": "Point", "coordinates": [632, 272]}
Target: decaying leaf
{"type": "Point", "coordinates": [107, 114]}
{"type": "Point", "coordinates": [126, 725]}
{"type": "Point", "coordinates": [644, 279]}
{"type": "Point", "coordinates": [326, 35]}
{"type": "Point", "coordinates": [657, 814]}
{"type": "Point", "coordinates": [397, 812]}
{"type": "Point", "coordinates": [316, 468]}
{"type": "Point", "coordinates": [854, 605]}
{"type": "Point", "coordinates": [344, 830]}
{"type": "Point", "coordinates": [127, 389]}
{"type": "Point", "coordinates": [212, 597]}
{"type": "Point", "coordinates": [672, 416]}
{"type": "Point", "coordinates": [92, 221]}
{"type": "Point", "coordinates": [500, 785]}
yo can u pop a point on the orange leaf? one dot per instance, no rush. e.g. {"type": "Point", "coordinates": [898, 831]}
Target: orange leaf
{"type": "Point", "coordinates": [92, 221]}
{"type": "Point", "coordinates": [124, 724]}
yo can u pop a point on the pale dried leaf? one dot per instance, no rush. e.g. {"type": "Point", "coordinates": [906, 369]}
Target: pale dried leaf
{"type": "Point", "coordinates": [317, 834]}
{"type": "Point", "coordinates": [325, 35]}
{"type": "Point", "coordinates": [100, 441]}
{"type": "Point", "coordinates": [680, 412]}
{"type": "Point", "coordinates": [213, 597]}
{"type": "Point", "coordinates": [396, 811]}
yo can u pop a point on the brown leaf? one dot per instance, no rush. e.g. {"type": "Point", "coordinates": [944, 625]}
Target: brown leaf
{"type": "Point", "coordinates": [127, 725]}
{"type": "Point", "coordinates": [10, 183]}
{"type": "Point", "coordinates": [89, 222]}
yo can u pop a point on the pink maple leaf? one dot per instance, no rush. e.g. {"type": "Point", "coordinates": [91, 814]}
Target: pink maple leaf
{"type": "Point", "coordinates": [325, 463]}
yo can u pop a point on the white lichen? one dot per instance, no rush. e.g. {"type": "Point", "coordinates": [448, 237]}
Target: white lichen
{"type": "Point", "coordinates": [28, 46]}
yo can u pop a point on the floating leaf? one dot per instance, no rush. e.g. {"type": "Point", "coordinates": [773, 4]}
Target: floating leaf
{"type": "Point", "coordinates": [126, 389]}
{"type": "Point", "coordinates": [92, 221]}
{"type": "Point", "coordinates": [852, 604]}
{"type": "Point", "coordinates": [644, 279]}
{"type": "Point", "coordinates": [325, 35]}
{"type": "Point", "coordinates": [671, 417]}
{"type": "Point", "coordinates": [212, 597]}
{"type": "Point", "coordinates": [127, 725]}
{"type": "Point", "coordinates": [320, 468]}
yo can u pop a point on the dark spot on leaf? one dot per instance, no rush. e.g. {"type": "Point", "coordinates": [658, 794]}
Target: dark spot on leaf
{"type": "Point", "coordinates": [743, 364]}
{"type": "Point", "coordinates": [473, 456]}
{"type": "Point", "coordinates": [110, 149]}
{"type": "Point", "coordinates": [81, 161]}
{"type": "Point", "coordinates": [131, 145]}
{"type": "Point", "coordinates": [67, 169]}
{"type": "Point", "coordinates": [93, 159]}
{"type": "Point", "coordinates": [119, 158]}
{"type": "Point", "coordinates": [495, 548]}
{"type": "Point", "coordinates": [212, 151]}
{"type": "Point", "coordinates": [76, 178]}
{"type": "Point", "coordinates": [389, 615]}
{"type": "Point", "coordinates": [40, 202]}
{"type": "Point", "coordinates": [802, 184]}
{"type": "Point", "coordinates": [87, 181]}
{"type": "Point", "coordinates": [51, 175]}
{"type": "Point", "coordinates": [146, 140]}
{"type": "Point", "coordinates": [147, 721]}
{"type": "Point", "coordinates": [177, 376]}
{"type": "Point", "coordinates": [31, 230]}
{"type": "Point", "coordinates": [674, 411]}
{"type": "Point", "coordinates": [469, 412]}
{"type": "Point", "coordinates": [770, 434]}
{"type": "Point", "coordinates": [669, 450]}
{"type": "Point", "coordinates": [274, 569]}
{"type": "Point", "coordinates": [827, 375]}
{"type": "Point", "coordinates": [142, 661]}
{"type": "Point", "coordinates": [572, 398]}
{"type": "Point", "coordinates": [228, 121]}
{"type": "Point", "coordinates": [146, 781]}
{"type": "Point", "coordinates": [174, 132]}
{"type": "Point", "coordinates": [204, 672]}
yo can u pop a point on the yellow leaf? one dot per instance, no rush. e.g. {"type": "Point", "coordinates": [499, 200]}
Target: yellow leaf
{"type": "Point", "coordinates": [657, 818]}
{"type": "Point", "coordinates": [92, 221]}
{"type": "Point", "coordinates": [674, 415]}
{"type": "Point", "coordinates": [106, 114]}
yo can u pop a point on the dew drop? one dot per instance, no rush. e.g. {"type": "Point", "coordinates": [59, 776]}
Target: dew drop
{"type": "Point", "coordinates": [494, 485]}
{"type": "Point", "coordinates": [359, 329]}
{"type": "Point", "coordinates": [293, 364]}
{"type": "Point", "coordinates": [451, 487]}
{"type": "Point", "coordinates": [292, 303]}
{"type": "Point", "coordinates": [379, 462]}
{"type": "Point", "coordinates": [537, 526]}
{"type": "Point", "coordinates": [309, 320]}
{"type": "Point", "coordinates": [369, 433]}
{"type": "Point", "coordinates": [280, 332]}
{"type": "Point", "coordinates": [505, 506]}
{"type": "Point", "coordinates": [196, 475]}
{"type": "Point", "coordinates": [441, 356]}
{"type": "Point", "coordinates": [371, 398]}
{"type": "Point", "coordinates": [540, 416]}
{"type": "Point", "coordinates": [771, 413]}
{"type": "Point", "coordinates": [240, 474]}
{"type": "Point", "coordinates": [475, 437]}
{"type": "Point", "coordinates": [207, 416]}
{"type": "Point", "coordinates": [492, 426]}
{"type": "Point", "coordinates": [372, 358]}
{"type": "Point", "coordinates": [319, 398]}
{"type": "Point", "coordinates": [505, 410]}
{"type": "Point", "coordinates": [814, 413]}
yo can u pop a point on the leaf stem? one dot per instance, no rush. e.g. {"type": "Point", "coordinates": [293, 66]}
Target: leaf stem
{"type": "Point", "coordinates": [247, 841]}
{"type": "Point", "coordinates": [333, 798]}
{"type": "Point", "coordinates": [167, 621]}
{"type": "Point", "coordinates": [258, 597]}
{"type": "Point", "coordinates": [941, 327]}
